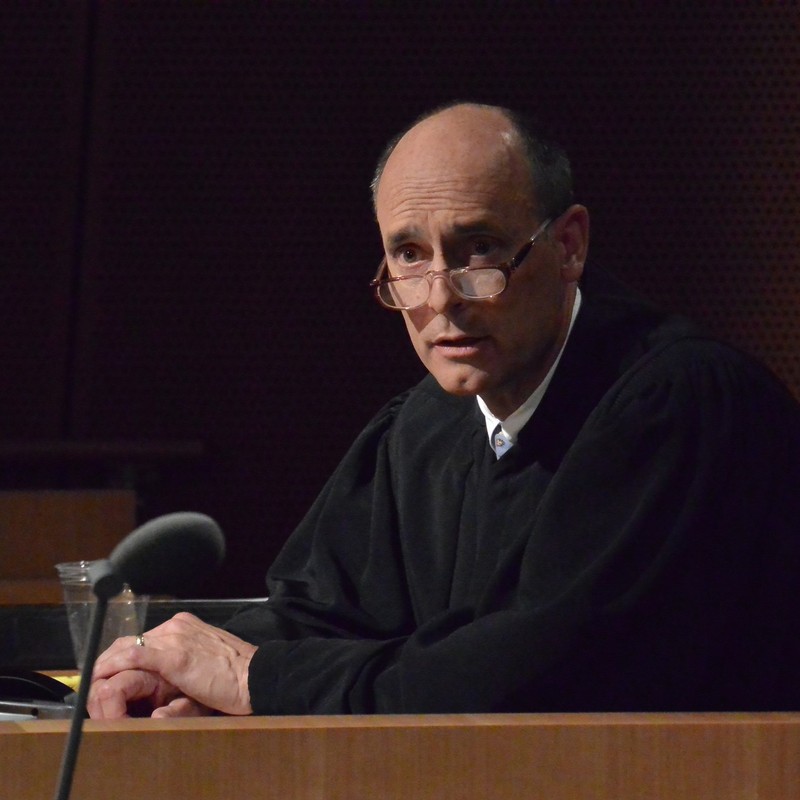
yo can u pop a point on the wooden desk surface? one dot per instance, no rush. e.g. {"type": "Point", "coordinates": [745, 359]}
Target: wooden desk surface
{"type": "Point", "coordinates": [447, 757]}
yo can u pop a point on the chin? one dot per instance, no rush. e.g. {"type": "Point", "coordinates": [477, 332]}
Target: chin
{"type": "Point", "coordinates": [457, 383]}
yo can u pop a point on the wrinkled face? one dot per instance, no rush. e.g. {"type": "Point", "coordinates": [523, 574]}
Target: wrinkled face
{"type": "Point", "coordinates": [455, 192]}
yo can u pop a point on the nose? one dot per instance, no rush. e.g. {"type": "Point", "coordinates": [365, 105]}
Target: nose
{"type": "Point", "coordinates": [441, 294]}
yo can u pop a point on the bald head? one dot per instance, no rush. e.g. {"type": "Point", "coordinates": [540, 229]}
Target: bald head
{"type": "Point", "coordinates": [473, 147]}
{"type": "Point", "coordinates": [511, 143]}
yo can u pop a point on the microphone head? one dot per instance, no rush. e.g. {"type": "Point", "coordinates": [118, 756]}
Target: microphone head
{"type": "Point", "coordinates": [171, 554]}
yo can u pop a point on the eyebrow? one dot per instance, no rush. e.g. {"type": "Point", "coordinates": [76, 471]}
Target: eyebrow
{"type": "Point", "coordinates": [411, 233]}
{"type": "Point", "coordinates": [481, 226]}
{"type": "Point", "coordinates": [401, 236]}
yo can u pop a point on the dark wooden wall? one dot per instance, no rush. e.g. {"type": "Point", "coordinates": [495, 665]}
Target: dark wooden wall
{"type": "Point", "coordinates": [186, 234]}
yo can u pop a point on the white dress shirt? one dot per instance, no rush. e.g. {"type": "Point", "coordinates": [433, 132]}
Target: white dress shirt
{"type": "Point", "coordinates": [503, 433]}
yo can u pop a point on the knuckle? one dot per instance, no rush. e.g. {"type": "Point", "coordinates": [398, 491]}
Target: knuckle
{"type": "Point", "coordinates": [179, 622]}
{"type": "Point", "coordinates": [103, 691]}
{"type": "Point", "coordinates": [182, 660]}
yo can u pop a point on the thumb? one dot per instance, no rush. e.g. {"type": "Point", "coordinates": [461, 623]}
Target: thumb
{"type": "Point", "coordinates": [181, 707]}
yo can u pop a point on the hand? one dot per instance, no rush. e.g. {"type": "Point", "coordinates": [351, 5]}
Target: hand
{"type": "Point", "coordinates": [186, 668]}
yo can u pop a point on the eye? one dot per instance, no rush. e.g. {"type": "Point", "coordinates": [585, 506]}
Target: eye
{"type": "Point", "coordinates": [483, 251]}
{"type": "Point", "coordinates": [407, 258]}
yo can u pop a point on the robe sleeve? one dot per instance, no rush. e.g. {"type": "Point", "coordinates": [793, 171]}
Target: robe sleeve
{"type": "Point", "coordinates": [657, 568]}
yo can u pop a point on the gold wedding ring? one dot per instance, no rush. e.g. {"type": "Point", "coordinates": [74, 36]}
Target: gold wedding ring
{"type": "Point", "coordinates": [139, 640]}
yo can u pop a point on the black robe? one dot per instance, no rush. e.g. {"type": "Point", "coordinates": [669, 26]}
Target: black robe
{"type": "Point", "coordinates": [637, 549]}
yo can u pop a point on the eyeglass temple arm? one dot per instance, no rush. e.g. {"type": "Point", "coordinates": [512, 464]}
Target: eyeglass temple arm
{"type": "Point", "coordinates": [520, 257]}
{"type": "Point", "coordinates": [378, 275]}
{"type": "Point", "coordinates": [523, 253]}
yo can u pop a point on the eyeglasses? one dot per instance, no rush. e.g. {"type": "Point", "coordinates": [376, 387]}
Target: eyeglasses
{"type": "Point", "coordinates": [407, 292]}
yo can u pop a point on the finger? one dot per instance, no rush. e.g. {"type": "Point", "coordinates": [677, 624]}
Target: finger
{"type": "Point", "coordinates": [163, 664]}
{"type": "Point", "coordinates": [181, 707]}
{"type": "Point", "coordinates": [115, 647]}
{"type": "Point", "coordinates": [123, 655]}
{"type": "Point", "coordinates": [109, 699]}
{"type": "Point", "coordinates": [104, 704]}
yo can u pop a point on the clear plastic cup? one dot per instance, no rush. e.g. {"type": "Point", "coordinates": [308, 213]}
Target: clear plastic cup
{"type": "Point", "coordinates": [125, 615]}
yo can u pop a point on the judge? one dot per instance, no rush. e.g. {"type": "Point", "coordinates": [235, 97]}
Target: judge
{"type": "Point", "coordinates": [588, 505]}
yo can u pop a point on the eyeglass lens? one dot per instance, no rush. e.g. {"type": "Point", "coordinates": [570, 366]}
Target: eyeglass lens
{"type": "Point", "coordinates": [470, 283]}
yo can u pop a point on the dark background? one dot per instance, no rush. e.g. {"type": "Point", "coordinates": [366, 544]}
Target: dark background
{"type": "Point", "coordinates": [186, 234]}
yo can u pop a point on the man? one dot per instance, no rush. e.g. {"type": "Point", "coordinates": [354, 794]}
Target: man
{"type": "Point", "coordinates": [612, 525]}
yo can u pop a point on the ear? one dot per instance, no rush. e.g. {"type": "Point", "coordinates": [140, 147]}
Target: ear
{"type": "Point", "coordinates": [571, 234]}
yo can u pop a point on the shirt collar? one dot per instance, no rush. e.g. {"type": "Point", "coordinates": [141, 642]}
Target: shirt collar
{"type": "Point", "coordinates": [515, 422]}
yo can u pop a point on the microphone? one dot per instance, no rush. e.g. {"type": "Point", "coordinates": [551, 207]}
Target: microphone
{"type": "Point", "coordinates": [168, 555]}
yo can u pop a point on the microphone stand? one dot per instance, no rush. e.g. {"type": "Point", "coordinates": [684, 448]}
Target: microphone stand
{"type": "Point", "coordinates": [106, 583]}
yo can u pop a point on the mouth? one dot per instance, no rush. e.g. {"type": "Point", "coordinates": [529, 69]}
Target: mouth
{"type": "Point", "coordinates": [460, 346]}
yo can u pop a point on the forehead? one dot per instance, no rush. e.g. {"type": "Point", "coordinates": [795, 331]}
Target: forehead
{"type": "Point", "coordinates": [460, 170]}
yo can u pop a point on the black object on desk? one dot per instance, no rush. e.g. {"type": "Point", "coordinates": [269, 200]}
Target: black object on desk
{"type": "Point", "coordinates": [31, 694]}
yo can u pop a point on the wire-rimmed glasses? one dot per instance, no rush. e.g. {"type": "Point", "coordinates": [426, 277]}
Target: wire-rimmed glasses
{"type": "Point", "coordinates": [407, 292]}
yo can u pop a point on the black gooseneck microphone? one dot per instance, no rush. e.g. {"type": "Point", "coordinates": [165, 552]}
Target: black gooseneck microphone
{"type": "Point", "coordinates": [168, 555]}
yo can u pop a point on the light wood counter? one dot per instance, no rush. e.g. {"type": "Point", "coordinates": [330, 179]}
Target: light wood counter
{"type": "Point", "coordinates": [447, 757]}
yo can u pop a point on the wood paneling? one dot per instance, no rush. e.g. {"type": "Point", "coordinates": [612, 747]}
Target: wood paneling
{"type": "Point", "coordinates": [39, 529]}
{"type": "Point", "coordinates": [536, 757]}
